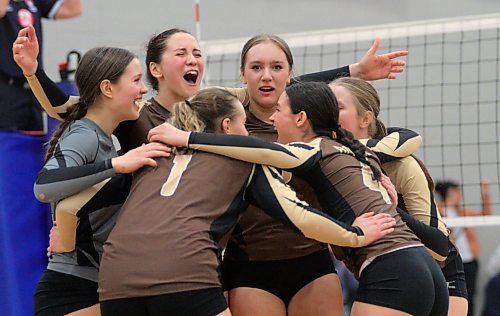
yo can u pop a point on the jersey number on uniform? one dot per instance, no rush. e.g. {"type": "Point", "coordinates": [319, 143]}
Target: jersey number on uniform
{"type": "Point", "coordinates": [373, 185]}
{"type": "Point", "coordinates": [180, 164]}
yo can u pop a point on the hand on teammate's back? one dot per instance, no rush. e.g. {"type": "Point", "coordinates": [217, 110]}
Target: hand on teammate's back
{"type": "Point", "coordinates": [374, 226]}
{"type": "Point", "coordinates": [139, 157]}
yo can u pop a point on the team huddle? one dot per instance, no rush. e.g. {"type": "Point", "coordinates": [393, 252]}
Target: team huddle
{"type": "Point", "coordinates": [232, 201]}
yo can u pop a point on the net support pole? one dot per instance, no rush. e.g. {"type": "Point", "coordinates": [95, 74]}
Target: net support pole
{"type": "Point", "coordinates": [197, 17]}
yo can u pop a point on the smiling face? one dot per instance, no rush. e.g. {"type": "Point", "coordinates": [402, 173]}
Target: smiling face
{"type": "Point", "coordinates": [128, 91]}
{"type": "Point", "coordinates": [181, 68]}
{"type": "Point", "coordinates": [266, 71]}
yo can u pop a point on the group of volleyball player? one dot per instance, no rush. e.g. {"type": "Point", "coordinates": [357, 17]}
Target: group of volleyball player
{"type": "Point", "coordinates": [219, 222]}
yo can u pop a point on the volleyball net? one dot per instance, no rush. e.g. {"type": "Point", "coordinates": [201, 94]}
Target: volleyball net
{"type": "Point", "coordinates": [448, 92]}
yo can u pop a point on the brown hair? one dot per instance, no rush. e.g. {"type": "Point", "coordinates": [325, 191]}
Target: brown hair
{"type": "Point", "coordinates": [366, 99]}
{"type": "Point", "coordinates": [155, 49]}
{"type": "Point", "coordinates": [96, 65]}
{"type": "Point", "coordinates": [266, 38]}
{"type": "Point", "coordinates": [318, 101]}
{"type": "Point", "coordinates": [205, 111]}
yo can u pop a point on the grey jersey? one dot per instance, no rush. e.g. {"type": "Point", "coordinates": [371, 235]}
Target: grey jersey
{"type": "Point", "coordinates": [82, 159]}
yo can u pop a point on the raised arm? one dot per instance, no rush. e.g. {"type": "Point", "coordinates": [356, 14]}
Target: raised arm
{"type": "Point", "coordinates": [3, 7]}
{"type": "Point", "coordinates": [485, 197]}
{"type": "Point", "coordinates": [25, 50]}
{"type": "Point", "coordinates": [325, 75]}
{"type": "Point", "coordinates": [69, 9]}
{"type": "Point", "coordinates": [400, 142]}
{"type": "Point", "coordinates": [485, 202]}
{"type": "Point", "coordinates": [371, 67]}
{"type": "Point", "coordinates": [268, 191]}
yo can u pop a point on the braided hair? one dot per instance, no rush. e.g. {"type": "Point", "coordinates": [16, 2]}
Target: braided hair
{"type": "Point", "coordinates": [317, 100]}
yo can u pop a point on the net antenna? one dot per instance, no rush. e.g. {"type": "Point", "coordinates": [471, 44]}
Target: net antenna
{"type": "Point", "coordinates": [197, 19]}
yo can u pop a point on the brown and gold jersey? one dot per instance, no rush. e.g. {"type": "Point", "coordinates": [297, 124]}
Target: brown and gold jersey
{"type": "Point", "coordinates": [166, 239]}
{"type": "Point", "coordinates": [258, 236]}
{"type": "Point", "coordinates": [344, 186]}
{"type": "Point", "coordinates": [415, 191]}
{"type": "Point", "coordinates": [171, 230]}
{"type": "Point", "coordinates": [132, 134]}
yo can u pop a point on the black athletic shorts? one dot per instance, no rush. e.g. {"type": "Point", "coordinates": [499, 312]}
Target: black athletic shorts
{"type": "Point", "coordinates": [408, 280]}
{"type": "Point", "coordinates": [59, 294]}
{"type": "Point", "coordinates": [204, 302]}
{"type": "Point", "coordinates": [454, 273]}
{"type": "Point", "coordinates": [283, 278]}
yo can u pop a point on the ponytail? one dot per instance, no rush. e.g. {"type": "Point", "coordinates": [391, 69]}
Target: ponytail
{"type": "Point", "coordinates": [186, 118]}
{"type": "Point", "coordinates": [205, 111]}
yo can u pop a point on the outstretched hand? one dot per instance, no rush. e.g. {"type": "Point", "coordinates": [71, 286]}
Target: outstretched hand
{"type": "Point", "coordinates": [25, 50]}
{"type": "Point", "coordinates": [374, 67]}
{"type": "Point", "coordinates": [375, 226]}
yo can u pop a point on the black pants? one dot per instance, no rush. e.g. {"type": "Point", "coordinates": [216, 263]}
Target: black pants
{"type": "Point", "coordinates": [19, 109]}
{"type": "Point", "coordinates": [471, 269]}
